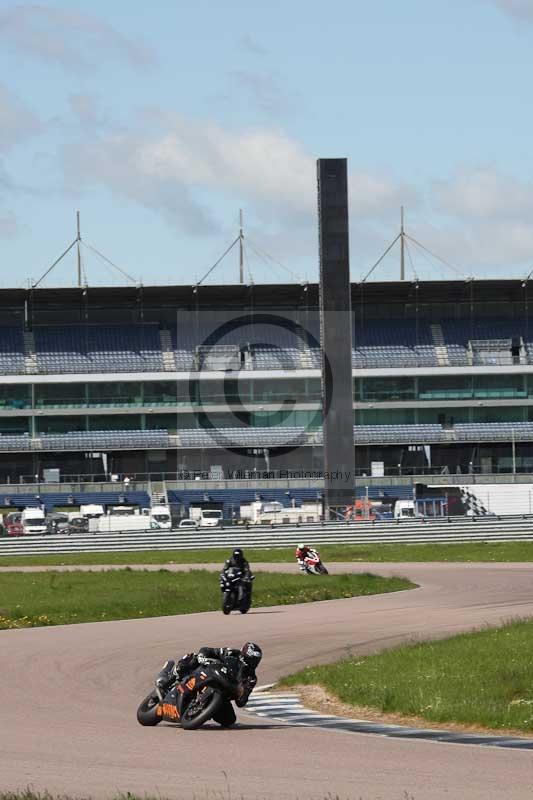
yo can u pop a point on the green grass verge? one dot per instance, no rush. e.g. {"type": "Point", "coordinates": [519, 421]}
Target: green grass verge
{"type": "Point", "coordinates": [483, 678]}
{"type": "Point", "coordinates": [503, 551]}
{"type": "Point", "coordinates": [54, 598]}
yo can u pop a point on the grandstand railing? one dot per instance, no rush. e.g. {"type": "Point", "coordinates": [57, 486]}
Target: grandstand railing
{"type": "Point", "coordinates": [200, 480]}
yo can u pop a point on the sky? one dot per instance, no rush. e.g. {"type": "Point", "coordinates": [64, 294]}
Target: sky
{"type": "Point", "coordinates": [159, 121]}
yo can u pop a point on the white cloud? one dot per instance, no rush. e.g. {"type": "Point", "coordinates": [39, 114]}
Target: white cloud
{"type": "Point", "coordinates": [264, 90]}
{"type": "Point", "coordinates": [87, 109]}
{"type": "Point", "coordinates": [72, 39]}
{"type": "Point", "coordinates": [260, 169]}
{"type": "Point", "coordinates": [485, 192]}
{"type": "Point", "coordinates": [519, 9]}
{"type": "Point", "coordinates": [472, 246]}
{"type": "Point", "coordinates": [17, 122]}
{"type": "Point", "coordinates": [251, 45]}
{"type": "Point", "coordinates": [9, 226]}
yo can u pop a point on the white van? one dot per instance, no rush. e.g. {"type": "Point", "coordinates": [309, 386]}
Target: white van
{"type": "Point", "coordinates": [404, 509]}
{"type": "Point", "coordinates": [160, 518]}
{"type": "Point", "coordinates": [206, 517]}
{"type": "Point", "coordinates": [33, 520]}
{"type": "Point", "coordinates": [91, 511]}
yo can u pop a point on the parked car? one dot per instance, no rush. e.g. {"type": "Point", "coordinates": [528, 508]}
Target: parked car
{"type": "Point", "coordinates": [14, 529]}
{"type": "Point", "coordinates": [188, 523]}
{"type": "Point", "coordinates": [78, 525]}
{"type": "Point", "coordinates": [57, 523]}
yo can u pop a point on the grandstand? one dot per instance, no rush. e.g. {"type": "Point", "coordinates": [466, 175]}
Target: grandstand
{"type": "Point", "coordinates": [166, 382]}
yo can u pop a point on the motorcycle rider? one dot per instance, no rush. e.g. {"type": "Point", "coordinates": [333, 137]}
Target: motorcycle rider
{"type": "Point", "coordinates": [302, 551]}
{"type": "Point", "coordinates": [238, 561]}
{"type": "Point", "coordinates": [249, 655]}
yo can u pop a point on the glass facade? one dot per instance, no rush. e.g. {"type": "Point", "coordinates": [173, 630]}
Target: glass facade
{"type": "Point", "coordinates": [230, 401]}
{"type": "Point", "coordinates": [15, 396]}
{"type": "Point", "coordinates": [232, 391]}
{"type": "Point", "coordinates": [60, 395]}
{"type": "Point", "coordinates": [114, 393]}
{"type": "Point", "coordinates": [465, 387]}
{"type": "Point", "coordinates": [383, 389]}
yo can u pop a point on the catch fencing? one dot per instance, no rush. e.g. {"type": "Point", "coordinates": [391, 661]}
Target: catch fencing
{"type": "Point", "coordinates": [446, 530]}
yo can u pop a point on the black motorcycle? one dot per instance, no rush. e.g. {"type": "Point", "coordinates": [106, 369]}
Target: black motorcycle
{"type": "Point", "coordinates": [206, 693]}
{"type": "Point", "coordinates": [236, 591]}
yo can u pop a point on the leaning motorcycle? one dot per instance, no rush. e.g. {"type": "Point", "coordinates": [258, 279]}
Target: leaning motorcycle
{"type": "Point", "coordinates": [204, 694]}
{"type": "Point", "coordinates": [236, 591]}
{"type": "Point", "coordinates": [313, 565]}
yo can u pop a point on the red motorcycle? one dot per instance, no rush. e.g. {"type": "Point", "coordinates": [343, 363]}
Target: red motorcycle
{"type": "Point", "coordinates": [312, 564]}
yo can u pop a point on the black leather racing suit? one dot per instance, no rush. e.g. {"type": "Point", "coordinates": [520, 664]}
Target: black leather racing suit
{"type": "Point", "coordinates": [205, 655]}
{"type": "Point", "coordinates": [242, 565]}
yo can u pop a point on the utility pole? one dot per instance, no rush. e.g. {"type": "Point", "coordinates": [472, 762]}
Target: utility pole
{"type": "Point", "coordinates": [241, 249]}
{"type": "Point", "coordinates": [402, 247]}
{"type": "Point", "coordinates": [78, 241]}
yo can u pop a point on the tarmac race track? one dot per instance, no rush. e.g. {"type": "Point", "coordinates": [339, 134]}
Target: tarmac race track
{"type": "Point", "coordinates": [68, 697]}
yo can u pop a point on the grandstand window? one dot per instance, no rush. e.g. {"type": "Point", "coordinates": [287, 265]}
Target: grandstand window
{"type": "Point", "coordinates": [297, 390]}
{"type": "Point", "coordinates": [166, 422]}
{"type": "Point", "coordinates": [286, 418]}
{"type": "Point", "coordinates": [19, 425]}
{"type": "Point", "coordinates": [499, 386]}
{"type": "Point", "coordinates": [446, 387]}
{"type": "Point", "coordinates": [388, 389]}
{"type": "Point", "coordinates": [498, 414]}
{"type": "Point", "coordinates": [444, 415]}
{"type": "Point", "coordinates": [392, 416]}
{"type": "Point", "coordinates": [114, 422]}
{"type": "Point", "coordinates": [165, 392]}
{"type": "Point", "coordinates": [60, 395]}
{"type": "Point", "coordinates": [182, 421]}
{"type": "Point", "coordinates": [115, 393]}
{"type": "Point", "coordinates": [13, 396]}
{"type": "Point", "coordinates": [60, 424]}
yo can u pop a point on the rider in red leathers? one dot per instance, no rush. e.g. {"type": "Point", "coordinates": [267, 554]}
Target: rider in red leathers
{"type": "Point", "coordinates": [302, 552]}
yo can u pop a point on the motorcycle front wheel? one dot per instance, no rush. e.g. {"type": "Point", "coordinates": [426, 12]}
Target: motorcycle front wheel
{"type": "Point", "coordinates": [227, 603]}
{"type": "Point", "coordinates": [321, 569]}
{"type": "Point", "coordinates": [245, 605]}
{"type": "Point", "coordinates": [147, 711]}
{"type": "Point", "coordinates": [201, 708]}
{"type": "Point", "coordinates": [226, 716]}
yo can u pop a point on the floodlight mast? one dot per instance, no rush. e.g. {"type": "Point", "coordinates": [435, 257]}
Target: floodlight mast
{"type": "Point", "coordinates": [78, 243]}
{"type": "Point", "coordinates": [241, 249]}
{"type": "Point", "coordinates": [402, 247]}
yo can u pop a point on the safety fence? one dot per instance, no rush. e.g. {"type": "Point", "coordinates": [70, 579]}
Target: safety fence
{"type": "Point", "coordinates": [444, 530]}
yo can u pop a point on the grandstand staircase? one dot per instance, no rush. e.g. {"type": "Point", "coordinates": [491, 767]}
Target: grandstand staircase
{"type": "Point", "coordinates": [30, 355]}
{"type": "Point", "coordinates": [158, 493]}
{"type": "Point", "coordinates": [169, 360]}
{"type": "Point", "coordinates": [441, 351]}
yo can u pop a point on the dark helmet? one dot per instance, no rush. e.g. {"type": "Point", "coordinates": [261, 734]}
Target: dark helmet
{"type": "Point", "coordinates": [252, 654]}
{"type": "Point", "coordinates": [238, 555]}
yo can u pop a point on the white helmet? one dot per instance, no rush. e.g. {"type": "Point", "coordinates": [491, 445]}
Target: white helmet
{"type": "Point", "coordinates": [301, 546]}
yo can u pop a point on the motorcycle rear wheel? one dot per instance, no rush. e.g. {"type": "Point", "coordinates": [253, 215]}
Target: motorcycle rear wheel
{"type": "Point", "coordinates": [147, 711]}
{"type": "Point", "coordinates": [208, 711]}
